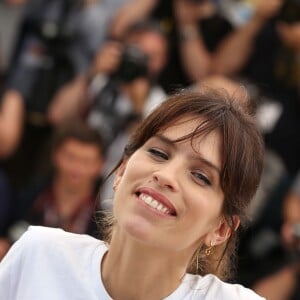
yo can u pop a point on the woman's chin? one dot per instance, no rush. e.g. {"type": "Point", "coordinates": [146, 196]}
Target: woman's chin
{"type": "Point", "coordinates": [138, 228]}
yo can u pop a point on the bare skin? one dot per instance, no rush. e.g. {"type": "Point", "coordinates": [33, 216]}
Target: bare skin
{"type": "Point", "coordinates": [11, 122]}
{"type": "Point", "coordinates": [195, 57]}
{"type": "Point", "coordinates": [235, 50]}
{"type": "Point", "coordinates": [151, 250]}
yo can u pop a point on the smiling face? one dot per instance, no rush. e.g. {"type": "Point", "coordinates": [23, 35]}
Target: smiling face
{"type": "Point", "coordinates": [77, 164]}
{"type": "Point", "coordinates": [168, 194]}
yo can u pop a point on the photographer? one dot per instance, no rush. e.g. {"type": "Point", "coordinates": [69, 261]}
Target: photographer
{"type": "Point", "coordinates": [55, 46]}
{"type": "Point", "coordinates": [123, 88]}
{"type": "Point", "coordinates": [195, 29]}
{"type": "Point", "coordinates": [276, 241]}
{"type": "Point", "coordinates": [64, 196]}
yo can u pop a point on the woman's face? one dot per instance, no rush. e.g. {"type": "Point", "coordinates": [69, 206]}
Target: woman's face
{"type": "Point", "coordinates": [168, 195]}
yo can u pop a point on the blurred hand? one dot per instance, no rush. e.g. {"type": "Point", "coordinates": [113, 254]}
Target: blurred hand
{"type": "Point", "coordinates": [108, 58]}
{"type": "Point", "coordinates": [188, 12]}
{"type": "Point", "coordinates": [288, 236]}
{"type": "Point", "coordinates": [266, 9]}
{"type": "Point", "coordinates": [4, 247]}
{"type": "Point", "coordinates": [130, 13]}
{"type": "Point", "coordinates": [15, 2]}
{"type": "Point", "coordinates": [290, 35]}
{"type": "Point", "coordinates": [68, 101]}
{"type": "Point", "coordinates": [291, 216]}
{"type": "Point", "coordinates": [12, 114]}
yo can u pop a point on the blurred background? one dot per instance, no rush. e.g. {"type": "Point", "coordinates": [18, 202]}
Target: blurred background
{"type": "Point", "coordinates": [77, 76]}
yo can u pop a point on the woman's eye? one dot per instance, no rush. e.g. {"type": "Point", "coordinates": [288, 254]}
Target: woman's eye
{"type": "Point", "coordinates": [158, 154]}
{"type": "Point", "coordinates": [201, 178]}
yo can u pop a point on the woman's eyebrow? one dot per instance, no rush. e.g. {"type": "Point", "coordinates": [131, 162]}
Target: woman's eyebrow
{"type": "Point", "coordinates": [165, 140]}
{"type": "Point", "coordinates": [206, 162]}
{"type": "Point", "coordinates": [203, 160]}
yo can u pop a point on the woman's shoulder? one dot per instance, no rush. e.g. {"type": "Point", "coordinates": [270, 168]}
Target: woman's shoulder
{"type": "Point", "coordinates": [46, 233]}
{"type": "Point", "coordinates": [214, 288]}
{"type": "Point", "coordinates": [45, 256]}
{"type": "Point", "coordinates": [52, 249]}
{"type": "Point", "coordinates": [46, 240]}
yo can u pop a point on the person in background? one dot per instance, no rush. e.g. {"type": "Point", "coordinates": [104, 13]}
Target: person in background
{"type": "Point", "coordinates": [124, 79]}
{"type": "Point", "coordinates": [195, 29]}
{"type": "Point", "coordinates": [268, 260]}
{"type": "Point", "coordinates": [124, 88]}
{"type": "Point", "coordinates": [131, 69]}
{"type": "Point", "coordinates": [67, 198]}
{"type": "Point", "coordinates": [265, 53]}
{"type": "Point", "coordinates": [181, 189]}
{"type": "Point", "coordinates": [124, 76]}
{"type": "Point", "coordinates": [68, 201]}
{"type": "Point", "coordinates": [56, 43]}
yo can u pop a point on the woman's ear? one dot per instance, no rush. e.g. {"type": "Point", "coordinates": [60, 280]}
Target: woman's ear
{"type": "Point", "coordinates": [119, 174]}
{"type": "Point", "coordinates": [222, 232]}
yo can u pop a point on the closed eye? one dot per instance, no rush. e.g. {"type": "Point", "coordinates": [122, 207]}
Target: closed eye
{"type": "Point", "coordinates": [201, 178]}
{"type": "Point", "coordinates": [158, 154]}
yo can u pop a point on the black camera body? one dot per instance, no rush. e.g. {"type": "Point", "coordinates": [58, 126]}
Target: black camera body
{"type": "Point", "coordinates": [133, 64]}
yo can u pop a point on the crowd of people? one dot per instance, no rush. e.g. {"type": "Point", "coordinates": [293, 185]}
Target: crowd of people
{"type": "Point", "coordinates": [83, 75]}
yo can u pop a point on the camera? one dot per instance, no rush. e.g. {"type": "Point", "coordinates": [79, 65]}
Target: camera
{"type": "Point", "coordinates": [133, 64]}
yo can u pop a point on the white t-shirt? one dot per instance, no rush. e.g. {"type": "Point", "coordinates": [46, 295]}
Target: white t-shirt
{"type": "Point", "coordinates": [48, 263]}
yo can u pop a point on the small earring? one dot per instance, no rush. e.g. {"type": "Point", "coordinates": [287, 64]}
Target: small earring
{"type": "Point", "coordinates": [209, 250]}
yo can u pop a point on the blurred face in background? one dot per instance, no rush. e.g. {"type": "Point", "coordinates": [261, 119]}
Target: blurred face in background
{"type": "Point", "coordinates": [77, 164]}
{"type": "Point", "coordinates": [155, 46]}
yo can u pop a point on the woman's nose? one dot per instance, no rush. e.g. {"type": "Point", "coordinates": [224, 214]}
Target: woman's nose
{"type": "Point", "coordinates": [167, 177]}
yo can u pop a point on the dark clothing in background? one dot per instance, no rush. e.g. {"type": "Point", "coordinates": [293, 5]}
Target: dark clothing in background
{"type": "Point", "coordinates": [36, 206]}
{"type": "Point", "coordinates": [213, 30]}
{"type": "Point", "coordinates": [57, 41]}
{"type": "Point", "coordinates": [5, 202]}
{"type": "Point", "coordinates": [273, 69]}
{"type": "Point", "coordinates": [45, 212]}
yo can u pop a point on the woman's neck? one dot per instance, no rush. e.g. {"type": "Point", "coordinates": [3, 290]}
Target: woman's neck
{"type": "Point", "coordinates": [131, 270]}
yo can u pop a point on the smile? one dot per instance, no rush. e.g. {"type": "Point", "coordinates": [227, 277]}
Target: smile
{"type": "Point", "coordinates": [155, 204]}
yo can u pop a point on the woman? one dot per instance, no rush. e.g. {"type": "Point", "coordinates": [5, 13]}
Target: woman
{"type": "Point", "coordinates": [181, 190]}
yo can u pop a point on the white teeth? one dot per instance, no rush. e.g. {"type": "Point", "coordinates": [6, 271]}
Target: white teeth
{"type": "Point", "coordinates": [165, 210]}
{"type": "Point", "coordinates": [154, 203]}
{"type": "Point", "coordinates": [148, 199]}
{"type": "Point", "coordinates": [159, 206]}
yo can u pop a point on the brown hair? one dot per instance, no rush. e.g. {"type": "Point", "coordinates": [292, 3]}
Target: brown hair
{"type": "Point", "coordinates": [78, 130]}
{"type": "Point", "coordinates": [242, 157]}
